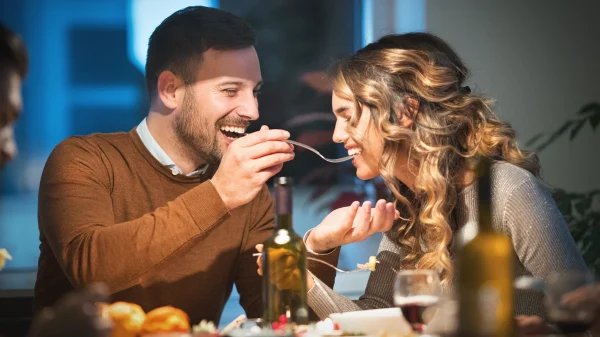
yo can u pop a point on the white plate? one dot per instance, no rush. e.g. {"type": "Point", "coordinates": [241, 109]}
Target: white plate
{"type": "Point", "coordinates": [372, 322]}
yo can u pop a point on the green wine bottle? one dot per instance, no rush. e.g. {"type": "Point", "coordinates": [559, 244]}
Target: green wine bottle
{"type": "Point", "coordinates": [485, 284]}
{"type": "Point", "coordinates": [284, 264]}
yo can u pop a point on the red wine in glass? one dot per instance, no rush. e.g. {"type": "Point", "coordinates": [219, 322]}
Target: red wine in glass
{"type": "Point", "coordinates": [572, 326]}
{"type": "Point", "coordinates": [574, 322]}
{"type": "Point", "coordinates": [414, 307]}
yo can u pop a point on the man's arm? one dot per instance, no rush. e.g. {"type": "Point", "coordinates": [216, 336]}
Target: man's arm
{"type": "Point", "coordinates": [247, 281]}
{"type": "Point", "coordinates": [76, 216]}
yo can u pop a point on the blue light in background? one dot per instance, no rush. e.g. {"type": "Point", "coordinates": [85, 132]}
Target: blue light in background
{"type": "Point", "coordinates": [367, 22]}
{"type": "Point", "coordinates": [381, 17]}
{"type": "Point", "coordinates": [145, 15]}
{"type": "Point", "coordinates": [410, 16]}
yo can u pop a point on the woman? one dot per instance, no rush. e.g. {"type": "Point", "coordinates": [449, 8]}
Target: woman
{"type": "Point", "coordinates": [402, 103]}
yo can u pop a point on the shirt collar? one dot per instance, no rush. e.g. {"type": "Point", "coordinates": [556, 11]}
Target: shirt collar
{"type": "Point", "coordinates": [157, 152]}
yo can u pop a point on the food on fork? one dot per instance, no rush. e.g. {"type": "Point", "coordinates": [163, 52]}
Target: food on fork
{"type": "Point", "coordinates": [369, 265]}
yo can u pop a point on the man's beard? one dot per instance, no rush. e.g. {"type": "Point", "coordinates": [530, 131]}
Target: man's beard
{"type": "Point", "coordinates": [195, 131]}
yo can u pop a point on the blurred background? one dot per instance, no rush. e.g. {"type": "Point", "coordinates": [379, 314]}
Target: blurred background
{"type": "Point", "coordinates": [540, 61]}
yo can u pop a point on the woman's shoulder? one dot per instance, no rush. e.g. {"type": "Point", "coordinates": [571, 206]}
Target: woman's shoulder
{"type": "Point", "coordinates": [509, 180]}
{"type": "Point", "coordinates": [508, 176]}
{"type": "Point", "coordinates": [514, 185]}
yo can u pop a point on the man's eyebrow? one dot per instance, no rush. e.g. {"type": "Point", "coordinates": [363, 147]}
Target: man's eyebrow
{"type": "Point", "coordinates": [238, 83]}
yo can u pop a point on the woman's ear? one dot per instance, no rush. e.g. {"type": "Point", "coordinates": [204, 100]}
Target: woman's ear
{"type": "Point", "coordinates": [407, 112]}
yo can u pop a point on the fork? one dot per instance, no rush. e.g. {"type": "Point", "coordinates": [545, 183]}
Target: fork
{"type": "Point", "coordinates": [335, 161]}
{"type": "Point", "coordinates": [327, 264]}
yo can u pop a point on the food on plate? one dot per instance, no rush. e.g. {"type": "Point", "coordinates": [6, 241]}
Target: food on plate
{"type": "Point", "coordinates": [166, 319]}
{"type": "Point", "coordinates": [204, 326]}
{"type": "Point", "coordinates": [127, 318]}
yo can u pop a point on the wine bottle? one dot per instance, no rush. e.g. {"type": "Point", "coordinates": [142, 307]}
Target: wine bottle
{"type": "Point", "coordinates": [485, 275]}
{"type": "Point", "coordinates": [284, 264]}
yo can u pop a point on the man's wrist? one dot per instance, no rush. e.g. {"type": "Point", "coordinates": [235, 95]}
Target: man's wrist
{"type": "Point", "coordinates": [223, 198]}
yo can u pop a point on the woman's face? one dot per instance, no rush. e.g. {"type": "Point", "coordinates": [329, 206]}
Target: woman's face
{"type": "Point", "coordinates": [369, 146]}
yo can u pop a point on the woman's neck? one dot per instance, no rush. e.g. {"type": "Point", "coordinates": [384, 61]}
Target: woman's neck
{"type": "Point", "coordinates": [406, 170]}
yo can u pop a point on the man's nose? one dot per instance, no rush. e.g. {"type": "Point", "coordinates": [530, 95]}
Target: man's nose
{"type": "Point", "coordinates": [249, 109]}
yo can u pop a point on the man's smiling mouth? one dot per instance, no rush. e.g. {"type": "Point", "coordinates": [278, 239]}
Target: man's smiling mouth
{"type": "Point", "coordinates": [233, 132]}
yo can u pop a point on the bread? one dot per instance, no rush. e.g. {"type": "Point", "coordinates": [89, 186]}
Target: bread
{"type": "Point", "coordinates": [127, 318]}
{"type": "Point", "coordinates": [166, 320]}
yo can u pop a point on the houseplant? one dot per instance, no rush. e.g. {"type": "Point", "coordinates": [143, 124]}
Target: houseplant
{"type": "Point", "coordinates": [581, 210]}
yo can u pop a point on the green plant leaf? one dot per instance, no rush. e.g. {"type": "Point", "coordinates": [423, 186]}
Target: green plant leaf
{"type": "Point", "coordinates": [595, 120]}
{"type": "Point", "coordinates": [556, 134]}
{"type": "Point", "coordinates": [590, 107]}
{"type": "Point", "coordinates": [583, 206]}
{"type": "Point", "coordinates": [595, 248]}
{"type": "Point", "coordinates": [564, 204]}
{"type": "Point", "coordinates": [578, 230]}
{"type": "Point", "coordinates": [577, 127]}
{"type": "Point", "coordinates": [534, 139]}
{"type": "Point", "coordinates": [593, 193]}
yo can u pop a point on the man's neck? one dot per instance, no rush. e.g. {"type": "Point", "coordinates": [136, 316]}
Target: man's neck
{"type": "Point", "coordinates": [161, 130]}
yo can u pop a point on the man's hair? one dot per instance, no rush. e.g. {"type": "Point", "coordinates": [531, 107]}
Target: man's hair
{"type": "Point", "coordinates": [178, 43]}
{"type": "Point", "coordinates": [13, 53]}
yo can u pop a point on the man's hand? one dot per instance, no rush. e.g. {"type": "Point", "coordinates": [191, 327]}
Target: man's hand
{"type": "Point", "coordinates": [351, 224]}
{"type": "Point", "coordinates": [586, 297]}
{"type": "Point", "coordinates": [248, 163]}
{"type": "Point", "coordinates": [532, 326]}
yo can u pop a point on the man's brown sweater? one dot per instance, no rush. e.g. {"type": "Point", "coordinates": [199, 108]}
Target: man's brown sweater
{"type": "Point", "coordinates": [110, 212]}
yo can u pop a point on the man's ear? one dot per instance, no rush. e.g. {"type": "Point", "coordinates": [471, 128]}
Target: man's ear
{"type": "Point", "coordinates": [167, 88]}
{"type": "Point", "coordinates": [407, 112]}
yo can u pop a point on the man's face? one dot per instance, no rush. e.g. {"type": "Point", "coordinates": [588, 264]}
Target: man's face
{"type": "Point", "coordinates": [11, 103]}
{"type": "Point", "coordinates": [220, 105]}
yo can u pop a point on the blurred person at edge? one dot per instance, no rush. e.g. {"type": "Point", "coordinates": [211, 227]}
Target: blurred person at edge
{"type": "Point", "coordinates": [72, 316]}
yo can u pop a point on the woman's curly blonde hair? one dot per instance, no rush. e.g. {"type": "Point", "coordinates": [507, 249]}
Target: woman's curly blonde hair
{"type": "Point", "coordinates": [450, 131]}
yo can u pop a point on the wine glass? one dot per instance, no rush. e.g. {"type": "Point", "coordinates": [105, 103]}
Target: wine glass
{"type": "Point", "coordinates": [417, 292]}
{"type": "Point", "coordinates": [572, 301]}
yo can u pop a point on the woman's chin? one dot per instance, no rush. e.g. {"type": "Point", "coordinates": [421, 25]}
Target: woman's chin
{"type": "Point", "coordinates": [366, 173]}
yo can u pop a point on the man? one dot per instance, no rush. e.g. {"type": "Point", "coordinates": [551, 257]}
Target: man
{"type": "Point", "coordinates": [169, 213]}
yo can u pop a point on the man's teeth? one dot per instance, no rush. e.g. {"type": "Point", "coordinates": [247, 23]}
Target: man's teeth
{"type": "Point", "coordinates": [354, 152]}
{"type": "Point", "coordinates": [236, 129]}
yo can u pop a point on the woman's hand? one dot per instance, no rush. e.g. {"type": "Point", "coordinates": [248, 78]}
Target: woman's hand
{"type": "Point", "coordinates": [351, 224]}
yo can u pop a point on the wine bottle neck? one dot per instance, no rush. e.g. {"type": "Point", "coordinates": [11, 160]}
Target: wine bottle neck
{"type": "Point", "coordinates": [283, 221]}
{"type": "Point", "coordinates": [485, 196]}
{"type": "Point", "coordinates": [485, 218]}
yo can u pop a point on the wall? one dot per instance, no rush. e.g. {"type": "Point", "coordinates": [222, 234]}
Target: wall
{"type": "Point", "coordinates": [541, 61]}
